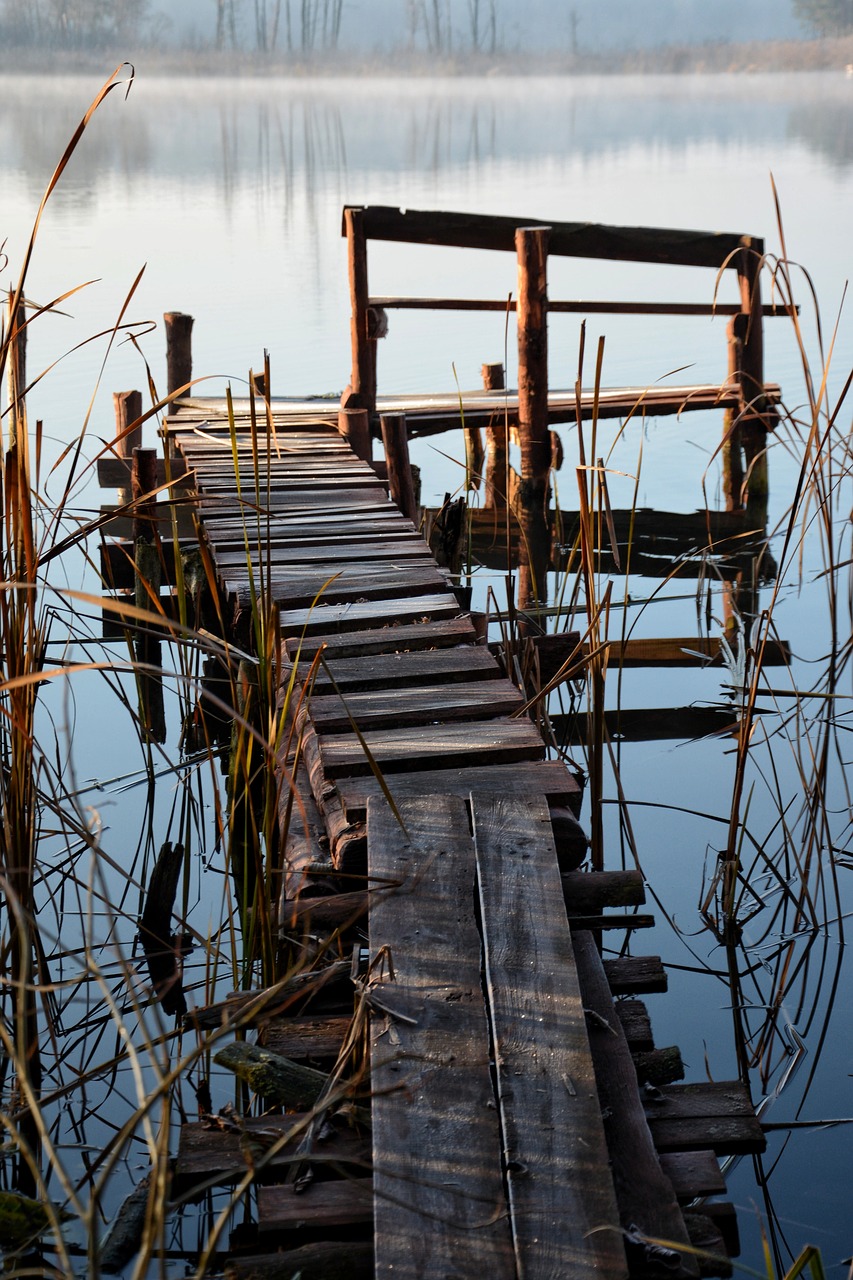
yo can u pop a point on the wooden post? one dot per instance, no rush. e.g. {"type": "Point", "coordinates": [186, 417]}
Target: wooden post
{"type": "Point", "coordinates": [128, 409]}
{"type": "Point", "coordinates": [732, 445]}
{"type": "Point", "coordinates": [361, 393]}
{"type": "Point", "coordinates": [17, 375]}
{"type": "Point", "coordinates": [532, 250]}
{"type": "Point", "coordinates": [494, 379]}
{"type": "Point", "coordinates": [396, 442]}
{"type": "Point", "coordinates": [147, 556]}
{"type": "Point", "coordinates": [179, 353]}
{"type": "Point", "coordinates": [750, 329]}
{"type": "Point", "coordinates": [354, 426]}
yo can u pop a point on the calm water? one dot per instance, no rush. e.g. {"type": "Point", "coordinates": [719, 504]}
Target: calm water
{"type": "Point", "coordinates": [231, 194]}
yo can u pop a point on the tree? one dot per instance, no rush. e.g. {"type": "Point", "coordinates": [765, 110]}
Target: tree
{"type": "Point", "coordinates": [826, 17]}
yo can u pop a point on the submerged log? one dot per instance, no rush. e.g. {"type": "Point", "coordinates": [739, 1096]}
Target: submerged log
{"type": "Point", "coordinates": [123, 1240]}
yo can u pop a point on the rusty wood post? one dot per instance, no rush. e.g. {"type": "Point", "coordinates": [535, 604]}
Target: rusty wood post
{"type": "Point", "coordinates": [179, 351]}
{"type": "Point", "coordinates": [17, 372]}
{"type": "Point", "coordinates": [532, 250]}
{"type": "Point", "coordinates": [354, 426]}
{"type": "Point", "coordinates": [361, 392]}
{"type": "Point", "coordinates": [128, 409]}
{"type": "Point", "coordinates": [148, 575]}
{"type": "Point", "coordinates": [396, 442]}
{"type": "Point", "coordinates": [494, 379]}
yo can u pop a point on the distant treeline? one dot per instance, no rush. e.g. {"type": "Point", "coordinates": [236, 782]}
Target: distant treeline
{"type": "Point", "coordinates": [433, 28]}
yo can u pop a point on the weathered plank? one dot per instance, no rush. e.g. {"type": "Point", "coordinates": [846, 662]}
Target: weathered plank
{"type": "Point", "coordinates": [396, 750]}
{"type": "Point", "coordinates": [716, 1114]}
{"type": "Point", "coordinates": [646, 1200]}
{"type": "Point", "coordinates": [634, 1017]}
{"type": "Point", "coordinates": [409, 669]}
{"type": "Point", "coordinates": [282, 553]}
{"type": "Point", "coordinates": [420, 634]}
{"type": "Point", "coordinates": [593, 890]}
{"type": "Point", "coordinates": [311, 1040]}
{"type": "Point", "coordinates": [371, 614]}
{"type": "Point", "coordinates": [636, 975]}
{"type": "Point", "coordinates": [334, 584]}
{"type": "Point", "coordinates": [564, 1215]}
{"type": "Point", "coordinates": [323, 1205]}
{"type": "Point", "coordinates": [323, 1260]}
{"type": "Point", "coordinates": [693, 1174]}
{"type": "Point", "coordinates": [209, 1155]}
{"type": "Point", "coordinates": [550, 778]}
{"type": "Point", "coordinates": [436, 1140]}
{"type": "Point", "coordinates": [426, 705]}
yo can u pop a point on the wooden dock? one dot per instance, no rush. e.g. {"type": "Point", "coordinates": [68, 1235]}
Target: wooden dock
{"type": "Point", "coordinates": [520, 1117]}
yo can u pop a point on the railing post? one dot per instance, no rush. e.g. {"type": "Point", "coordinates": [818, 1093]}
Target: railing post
{"type": "Point", "coordinates": [179, 351]}
{"type": "Point", "coordinates": [396, 442]}
{"type": "Point", "coordinates": [532, 251]}
{"type": "Point", "coordinates": [750, 329]}
{"type": "Point", "coordinates": [495, 495]}
{"type": "Point", "coordinates": [354, 426]}
{"type": "Point", "coordinates": [361, 393]}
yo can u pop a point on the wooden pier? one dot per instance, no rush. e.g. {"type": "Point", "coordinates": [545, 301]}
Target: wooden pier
{"type": "Point", "coordinates": [511, 1109]}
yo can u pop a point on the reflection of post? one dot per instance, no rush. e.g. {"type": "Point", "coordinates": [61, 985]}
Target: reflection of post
{"type": "Point", "coordinates": [532, 249]}
{"type": "Point", "coordinates": [396, 442]}
{"type": "Point", "coordinates": [494, 379]}
{"type": "Point", "coordinates": [361, 393]}
{"type": "Point", "coordinates": [147, 554]}
{"type": "Point", "coordinates": [128, 410]}
{"type": "Point", "coordinates": [179, 350]}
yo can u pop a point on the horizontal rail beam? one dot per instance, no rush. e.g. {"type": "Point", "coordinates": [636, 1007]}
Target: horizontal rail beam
{"type": "Point", "coordinates": [579, 306]}
{"type": "Point", "coordinates": [567, 239]}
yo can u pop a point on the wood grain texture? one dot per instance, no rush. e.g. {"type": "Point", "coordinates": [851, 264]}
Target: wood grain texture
{"type": "Point", "coordinates": [396, 750]}
{"type": "Point", "coordinates": [440, 1209]}
{"type": "Point", "coordinates": [393, 637]}
{"type": "Point", "coordinates": [564, 1215]}
{"type": "Point", "coordinates": [368, 614]}
{"type": "Point", "coordinates": [550, 778]}
{"type": "Point", "coordinates": [411, 670]}
{"type": "Point", "coordinates": [426, 705]}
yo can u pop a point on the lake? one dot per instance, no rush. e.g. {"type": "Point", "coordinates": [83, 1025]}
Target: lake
{"type": "Point", "coordinates": [229, 193]}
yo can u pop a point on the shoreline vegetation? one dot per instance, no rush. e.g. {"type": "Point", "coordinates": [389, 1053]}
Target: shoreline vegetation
{"type": "Point", "coordinates": [717, 58]}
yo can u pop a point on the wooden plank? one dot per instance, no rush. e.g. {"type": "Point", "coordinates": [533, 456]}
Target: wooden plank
{"type": "Point", "coordinates": [355, 616]}
{"type": "Point", "coordinates": [411, 669]}
{"type": "Point", "coordinates": [592, 890]}
{"type": "Point", "coordinates": [410, 637]}
{"type": "Point", "coordinates": [213, 1156]}
{"type": "Point", "coordinates": [280, 553]}
{"type": "Point", "coordinates": [693, 1174]}
{"type": "Point", "coordinates": [322, 1260]}
{"type": "Point", "coordinates": [574, 306]}
{"type": "Point", "coordinates": [550, 778]}
{"type": "Point", "coordinates": [332, 523]}
{"type": "Point", "coordinates": [397, 750]}
{"type": "Point", "coordinates": [634, 1017]}
{"type": "Point", "coordinates": [364, 500]}
{"type": "Point", "coordinates": [311, 1040]}
{"type": "Point", "coordinates": [322, 1206]}
{"type": "Point", "coordinates": [636, 975]}
{"type": "Point", "coordinates": [379, 709]}
{"type": "Point", "coordinates": [727, 1135]}
{"type": "Point", "coordinates": [707, 1098]}
{"type": "Point", "coordinates": [340, 586]}
{"type": "Point", "coordinates": [568, 239]}
{"type": "Point", "coordinates": [646, 1200]}
{"type": "Point", "coordinates": [564, 1216]}
{"type": "Point", "coordinates": [440, 1208]}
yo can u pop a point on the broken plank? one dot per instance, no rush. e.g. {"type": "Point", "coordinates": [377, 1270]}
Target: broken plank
{"type": "Point", "coordinates": [550, 778]}
{"type": "Point", "coordinates": [693, 1174]}
{"type": "Point", "coordinates": [564, 1215]}
{"type": "Point", "coordinates": [636, 975]}
{"type": "Point", "coordinates": [396, 750]}
{"type": "Point", "coordinates": [634, 1017]}
{"type": "Point", "coordinates": [593, 890]}
{"type": "Point", "coordinates": [379, 708]}
{"type": "Point", "coordinates": [436, 1138]}
{"type": "Point", "coordinates": [323, 1260]}
{"type": "Point", "coordinates": [308, 1040]}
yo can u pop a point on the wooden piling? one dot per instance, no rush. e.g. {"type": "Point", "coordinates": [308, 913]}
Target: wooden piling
{"type": "Point", "coordinates": [532, 251]}
{"type": "Point", "coordinates": [400, 482]}
{"type": "Point", "coordinates": [179, 355]}
{"type": "Point", "coordinates": [354, 426]}
{"type": "Point", "coordinates": [361, 393]}
{"type": "Point", "coordinates": [749, 328]}
{"type": "Point", "coordinates": [128, 410]}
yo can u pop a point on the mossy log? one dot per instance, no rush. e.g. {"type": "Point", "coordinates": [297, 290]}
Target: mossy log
{"type": "Point", "coordinates": [278, 1080]}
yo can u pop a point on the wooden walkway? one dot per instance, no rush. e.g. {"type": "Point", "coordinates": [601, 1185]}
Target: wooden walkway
{"type": "Point", "coordinates": [510, 1126]}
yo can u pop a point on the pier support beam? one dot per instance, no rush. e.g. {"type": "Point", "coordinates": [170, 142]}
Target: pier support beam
{"type": "Point", "coordinates": [179, 351]}
{"type": "Point", "coordinates": [400, 482]}
{"type": "Point", "coordinates": [532, 251]}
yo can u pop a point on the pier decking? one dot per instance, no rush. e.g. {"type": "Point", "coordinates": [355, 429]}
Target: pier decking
{"type": "Point", "coordinates": [508, 1119]}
